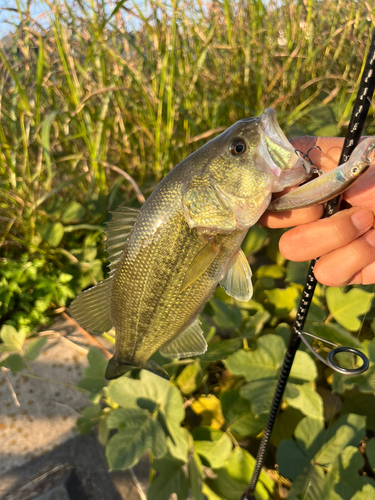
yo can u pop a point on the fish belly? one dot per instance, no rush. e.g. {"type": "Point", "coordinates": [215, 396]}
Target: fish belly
{"type": "Point", "coordinates": [148, 308]}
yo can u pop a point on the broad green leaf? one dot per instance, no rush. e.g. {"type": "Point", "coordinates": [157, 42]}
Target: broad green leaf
{"type": "Point", "coordinates": [190, 378]}
{"type": "Point", "coordinates": [254, 239]}
{"type": "Point", "coordinates": [347, 431]}
{"type": "Point", "coordinates": [361, 404]}
{"type": "Point", "coordinates": [52, 233]}
{"type": "Point", "coordinates": [73, 212]}
{"type": "Point", "coordinates": [304, 367]}
{"type": "Point", "coordinates": [94, 380]}
{"type": "Point", "coordinates": [334, 333]}
{"type": "Point", "coordinates": [14, 362]}
{"type": "Point", "coordinates": [209, 409]}
{"type": "Point", "coordinates": [365, 382]}
{"type": "Point", "coordinates": [226, 316]}
{"type": "Point", "coordinates": [273, 271]}
{"type": "Point", "coordinates": [219, 350]}
{"type": "Point", "coordinates": [309, 434]}
{"type": "Point", "coordinates": [239, 416]}
{"type": "Point", "coordinates": [195, 476]}
{"type": "Point", "coordinates": [308, 401]}
{"type": "Point", "coordinates": [213, 445]}
{"type": "Point", "coordinates": [13, 339]}
{"type": "Point", "coordinates": [260, 393]}
{"type": "Point", "coordinates": [234, 477]}
{"type": "Point", "coordinates": [178, 441]}
{"type": "Point", "coordinates": [255, 324]}
{"type": "Point", "coordinates": [170, 480]}
{"type": "Point", "coordinates": [296, 272]}
{"type": "Point", "coordinates": [370, 452]}
{"type": "Point", "coordinates": [88, 418]}
{"type": "Point", "coordinates": [284, 300]}
{"type": "Point", "coordinates": [34, 347]}
{"type": "Point", "coordinates": [346, 307]}
{"type": "Point", "coordinates": [141, 433]}
{"type": "Point", "coordinates": [148, 392]}
{"type": "Point", "coordinates": [291, 458]}
{"type": "Point", "coordinates": [118, 418]}
{"type": "Point", "coordinates": [308, 485]}
{"type": "Point", "coordinates": [262, 363]}
{"type": "Point", "coordinates": [343, 481]}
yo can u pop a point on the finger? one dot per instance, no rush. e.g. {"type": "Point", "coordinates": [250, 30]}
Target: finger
{"type": "Point", "coordinates": [340, 266]}
{"type": "Point", "coordinates": [365, 276]}
{"type": "Point", "coordinates": [291, 217]}
{"type": "Point", "coordinates": [312, 240]}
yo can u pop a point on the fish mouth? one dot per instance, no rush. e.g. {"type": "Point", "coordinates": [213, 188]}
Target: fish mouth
{"type": "Point", "coordinates": [274, 147]}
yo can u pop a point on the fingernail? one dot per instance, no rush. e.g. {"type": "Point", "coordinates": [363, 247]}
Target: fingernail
{"type": "Point", "coordinates": [370, 238]}
{"type": "Point", "coordinates": [362, 219]}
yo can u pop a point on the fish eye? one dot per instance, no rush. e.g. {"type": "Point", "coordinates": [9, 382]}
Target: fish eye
{"type": "Point", "coordinates": [355, 170]}
{"type": "Point", "coordinates": [238, 147]}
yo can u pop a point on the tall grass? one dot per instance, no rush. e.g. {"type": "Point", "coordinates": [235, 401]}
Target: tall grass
{"type": "Point", "coordinates": [139, 88]}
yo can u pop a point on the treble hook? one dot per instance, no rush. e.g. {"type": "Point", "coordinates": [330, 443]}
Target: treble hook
{"type": "Point", "coordinates": [330, 361]}
{"type": "Point", "coordinates": [306, 156]}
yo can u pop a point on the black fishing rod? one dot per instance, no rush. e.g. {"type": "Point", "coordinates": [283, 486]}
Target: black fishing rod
{"type": "Point", "coordinates": [357, 122]}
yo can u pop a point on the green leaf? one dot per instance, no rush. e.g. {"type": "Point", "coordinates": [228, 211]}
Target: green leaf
{"type": "Point", "coordinates": [219, 350]}
{"type": "Point", "coordinates": [14, 362]}
{"type": "Point", "coordinates": [272, 271]}
{"type": "Point", "coordinates": [142, 432]}
{"type": "Point", "coordinates": [343, 481]}
{"type": "Point", "coordinates": [284, 300]}
{"type": "Point", "coordinates": [33, 348]}
{"type": "Point", "coordinates": [347, 307]}
{"type": "Point", "coordinates": [149, 393]}
{"type": "Point", "coordinates": [46, 127]}
{"type": "Point", "coordinates": [260, 393]}
{"type": "Point", "coordinates": [262, 363]}
{"type": "Point", "coordinates": [52, 233]}
{"type": "Point", "coordinates": [171, 479]}
{"type": "Point", "coordinates": [308, 401]}
{"type": "Point", "coordinates": [94, 380]}
{"type": "Point", "coordinates": [234, 477]}
{"type": "Point", "coordinates": [347, 431]}
{"type": "Point", "coordinates": [303, 368]}
{"type": "Point", "coordinates": [195, 476]}
{"type": "Point", "coordinates": [226, 316]}
{"type": "Point", "coordinates": [213, 445]}
{"type": "Point", "coordinates": [117, 419]}
{"type": "Point", "coordinates": [73, 212]}
{"type": "Point", "coordinates": [308, 485]}
{"type": "Point", "coordinates": [296, 272]}
{"type": "Point", "coordinates": [239, 416]}
{"type": "Point", "coordinates": [361, 404]}
{"type": "Point", "coordinates": [190, 378]}
{"type": "Point", "coordinates": [334, 333]}
{"type": "Point", "coordinates": [254, 239]}
{"type": "Point", "coordinates": [13, 339]}
{"type": "Point", "coordinates": [291, 459]}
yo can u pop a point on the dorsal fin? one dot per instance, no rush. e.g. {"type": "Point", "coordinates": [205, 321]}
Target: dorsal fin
{"type": "Point", "coordinates": [119, 227]}
{"type": "Point", "coordinates": [190, 342]}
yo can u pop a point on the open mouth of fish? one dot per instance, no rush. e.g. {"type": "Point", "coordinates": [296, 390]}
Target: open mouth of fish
{"type": "Point", "coordinates": [275, 149]}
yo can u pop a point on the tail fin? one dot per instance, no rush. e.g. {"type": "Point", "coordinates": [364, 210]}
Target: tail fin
{"type": "Point", "coordinates": [116, 369]}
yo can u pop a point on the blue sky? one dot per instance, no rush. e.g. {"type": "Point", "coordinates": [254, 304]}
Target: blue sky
{"type": "Point", "coordinates": [7, 16]}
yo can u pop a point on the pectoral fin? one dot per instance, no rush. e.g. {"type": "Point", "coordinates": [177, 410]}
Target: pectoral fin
{"type": "Point", "coordinates": [91, 308]}
{"type": "Point", "coordinates": [201, 262]}
{"type": "Point", "coordinates": [189, 343]}
{"type": "Point", "coordinates": [237, 280]}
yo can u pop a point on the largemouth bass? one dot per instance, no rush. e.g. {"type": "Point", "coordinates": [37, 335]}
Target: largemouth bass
{"type": "Point", "coordinates": [168, 257]}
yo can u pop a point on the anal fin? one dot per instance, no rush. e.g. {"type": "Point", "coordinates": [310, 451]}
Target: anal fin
{"type": "Point", "coordinates": [201, 262]}
{"type": "Point", "coordinates": [91, 308]}
{"type": "Point", "coordinates": [188, 343]}
{"type": "Point", "coordinates": [237, 279]}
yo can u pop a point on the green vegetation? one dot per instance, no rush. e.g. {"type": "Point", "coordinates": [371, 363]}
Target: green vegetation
{"type": "Point", "coordinates": [96, 107]}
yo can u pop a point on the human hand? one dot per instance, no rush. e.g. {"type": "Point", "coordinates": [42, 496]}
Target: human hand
{"type": "Point", "coordinates": [344, 242]}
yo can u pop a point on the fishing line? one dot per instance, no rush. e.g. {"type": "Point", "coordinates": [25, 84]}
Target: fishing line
{"type": "Point", "coordinates": [355, 128]}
